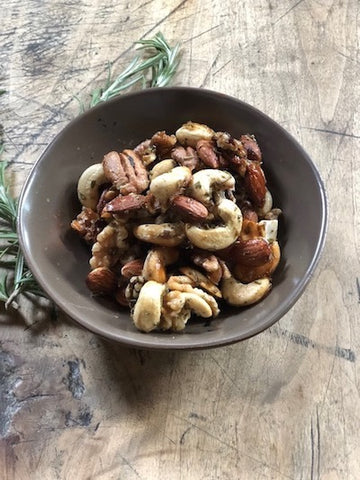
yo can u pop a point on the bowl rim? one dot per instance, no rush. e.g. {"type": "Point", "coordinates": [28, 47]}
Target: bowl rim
{"type": "Point", "coordinates": [195, 345]}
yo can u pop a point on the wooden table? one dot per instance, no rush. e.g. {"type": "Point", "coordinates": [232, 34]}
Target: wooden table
{"type": "Point", "coordinates": [283, 405]}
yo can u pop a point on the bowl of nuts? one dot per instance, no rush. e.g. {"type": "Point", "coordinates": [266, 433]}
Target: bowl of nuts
{"type": "Point", "coordinates": [175, 218]}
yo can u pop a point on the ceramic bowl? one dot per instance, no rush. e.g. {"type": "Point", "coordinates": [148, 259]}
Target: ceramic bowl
{"type": "Point", "coordinates": [59, 258]}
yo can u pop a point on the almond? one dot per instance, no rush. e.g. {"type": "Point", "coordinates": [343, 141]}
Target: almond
{"type": "Point", "coordinates": [125, 203]}
{"type": "Point", "coordinates": [189, 209]}
{"type": "Point", "coordinates": [253, 253]}
{"type": "Point", "coordinates": [101, 280]}
{"type": "Point", "coordinates": [206, 151]}
{"type": "Point", "coordinates": [255, 184]}
{"type": "Point", "coordinates": [132, 268]}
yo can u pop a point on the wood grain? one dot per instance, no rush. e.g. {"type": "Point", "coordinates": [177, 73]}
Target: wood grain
{"type": "Point", "coordinates": [282, 405]}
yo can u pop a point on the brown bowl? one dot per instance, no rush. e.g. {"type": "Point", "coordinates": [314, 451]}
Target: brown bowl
{"type": "Point", "coordinates": [59, 259]}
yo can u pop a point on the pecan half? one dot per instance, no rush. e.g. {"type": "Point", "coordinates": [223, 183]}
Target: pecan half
{"type": "Point", "coordinates": [187, 157]}
{"type": "Point", "coordinates": [106, 196]}
{"type": "Point", "coordinates": [189, 209]}
{"type": "Point", "coordinates": [163, 142]}
{"type": "Point", "coordinates": [206, 151]}
{"type": "Point", "coordinates": [252, 148]}
{"type": "Point", "coordinates": [126, 171]}
{"type": "Point", "coordinates": [255, 183]}
{"type": "Point", "coordinates": [125, 204]}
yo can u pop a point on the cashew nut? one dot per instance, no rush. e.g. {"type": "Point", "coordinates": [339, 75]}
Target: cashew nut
{"type": "Point", "coordinates": [268, 203]}
{"type": "Point", "coordinates": [205, 182]}
{"type": "Point", "coordinates": [156, 261]}
{"type": "Point", "coordinates": [219, 237]}
{"type": "Point", "coordinates": [88, 185]}
{"type": "Point", "coordinates": [166, 185]}
{"type": "Point", "coordinates": [147, 310]}
{"type": "Point", "coordinates": [242, 294]}
{"type": "Point", "coordinates": [166, 234]}
{"type": "Point", "coordinates": [190, 133]}
{"type": "Point", "coordinates": [162, 167]}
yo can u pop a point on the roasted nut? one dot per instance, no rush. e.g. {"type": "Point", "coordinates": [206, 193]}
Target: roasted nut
{"type": "Point", "coordinates": [182, 283]}
{"type": "Point", "coordinates": [87, 224]}
{"type": "Point", "coordinates": [190, 133]}
{"type": "Point", "coordinates": [162, 167]}
{"type": "Point", "coordinates": [163, 143]}
{"type": "Point", "coordinates": [88, 185]}
{"type": "Point", "coordinates": [201, 280]}
{"type": "Point", "coordinates": [165, 234]}
{"type": "Point", "coordinates": [251, 230]}
{"type": "Point", "coordinates": [110, 244]}
{"type": "Point", "coordinates": [252, 148]}
{"type": "Point", "coordinates": [273, 214]}
{"type": "Point", "coordinates": [165, 186]}
{"type": "Point", "coordinates": [178, 306]}
{"type": "Point", "coordinates": [228, 143]}
{"type": "Point", "coordinates": [210, 264]}
{"type": "Point", "coordinates": [146, 152]}
{"type": "Point", "coordinates": [133, 288]}
{"type": "Point", "coordinates": [240, 294]}
{"type": "Point", "coordinates": [156, 261]}
{"type": "Point", "coordinates": [247, 274]}
{"type": "Point", "coordinates": [101, 280]}
{"type": "Point", "coordinates": [209, 181]}
{"type": "Point", "coordinates": [106, 196]}
{"type": "Point", "coordinates": [189, 209]}
{"type": "Point", "coordinates": [237, 164]}
{"type": "Point", "coordinates": [126, 171]}
{"type": "Point", "coordinates": [249, 213]}
{"type": "Point", "coordinates": [267, 205]}
{"type": "Point", "coordinates": [132, 268]}
{"type": "Point", "coordinates": [252, 253]}
{"type": "Point", "coordinates": [124, 204]}
{"type": "Point", "coordinates": [147, 310]}
{"type": "Point", "coordinates": [218, 237]}
{"type": "Point", "coordinates": [187, 157]}
{"type": "Point", "coordinates": [255, 184]}
{"type": "Point", "coordinates": [206, 151]}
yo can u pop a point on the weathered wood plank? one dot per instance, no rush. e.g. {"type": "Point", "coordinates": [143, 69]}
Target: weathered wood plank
{"type": "Point", "coordinates": [283, 405]}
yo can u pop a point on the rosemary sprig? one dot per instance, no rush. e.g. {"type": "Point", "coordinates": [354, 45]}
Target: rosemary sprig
{"type": "Point", "coordinates": [155, 68]}
{"type": "Point", "coordinates": [161, 64]}
{"type": "Point", "coordinates": [16, 277]}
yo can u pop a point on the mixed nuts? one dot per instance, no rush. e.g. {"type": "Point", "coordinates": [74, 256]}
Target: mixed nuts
{"type": "Point", "coordinates": [178, 225]}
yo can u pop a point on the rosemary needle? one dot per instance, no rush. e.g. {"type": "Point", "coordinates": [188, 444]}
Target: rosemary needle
{"type": "Point", "coordinates": [155, 68]}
